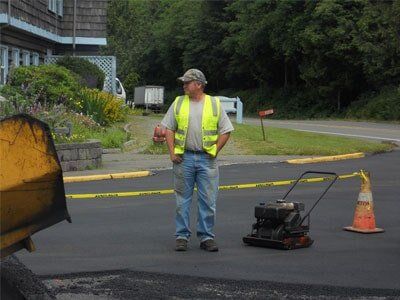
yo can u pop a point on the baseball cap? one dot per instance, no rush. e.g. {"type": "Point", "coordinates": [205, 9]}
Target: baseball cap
{"type": "Point", "coordinates": [193, 75]}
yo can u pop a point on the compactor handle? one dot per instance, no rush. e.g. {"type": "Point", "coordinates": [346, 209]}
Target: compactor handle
{"type": "Point", "coordinates": [322, 195]}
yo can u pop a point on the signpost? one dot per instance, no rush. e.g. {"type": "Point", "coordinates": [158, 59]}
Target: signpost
{"type": "Point", "coordinates": [264, 113]}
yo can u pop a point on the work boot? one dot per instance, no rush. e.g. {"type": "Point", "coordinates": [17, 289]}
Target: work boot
{"type": "Point", "coordinates": [181, 245]}
{"type": "Point", "coordinates": [209, 245]}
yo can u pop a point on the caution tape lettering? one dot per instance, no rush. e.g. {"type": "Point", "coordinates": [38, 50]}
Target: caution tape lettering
{"type": "Point", "coordinates": [223, 187]}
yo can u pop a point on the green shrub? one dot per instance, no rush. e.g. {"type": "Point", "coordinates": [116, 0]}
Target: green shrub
{"type": "Point", "coordinates": [54, 116]}
{"type": "Point", "coordinates": [21, 76]}
{"type": "Point", "coordinates": [287, 104]}
{"type": "Point", "coordinates": [103, 107]}
{"type": "Point", "coordinates": [295, 103]}
{"type": "Point", "coordinates": [15, 101]}
{"type": "Point", "coordinates": [91, 75]}
{"type": "Point", "coordinates": [84, 128]}
{"type": "Point", "coordinates": [383, 105]}
{"type": "Point", "coordinates": [47, 84]}
{"type": "Point", "coordinates": [305, 104]}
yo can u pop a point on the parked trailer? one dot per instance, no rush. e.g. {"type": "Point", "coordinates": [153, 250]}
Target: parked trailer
{"type": "Point", "coordinates": [149, 96]}
{"type": "Point", "coordinates": [32, 195]}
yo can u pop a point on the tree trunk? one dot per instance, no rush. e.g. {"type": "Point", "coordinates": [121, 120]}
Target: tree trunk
{"type": "Point", "coordinates": [338, 101]}
{"type": "Point", "coordinates": [285, 83]}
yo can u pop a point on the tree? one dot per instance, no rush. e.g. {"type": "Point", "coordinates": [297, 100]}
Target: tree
{"type": "Point", "coordinates": [251, 57]}
{"type": "Point", "coordinates": [379, 42]}
{"type": "Point", "coordinates": [331, 59]}
{"type": "Point", "coordinates": [307, 53]}
{"type": "Point", "coordinates": [128, 31]}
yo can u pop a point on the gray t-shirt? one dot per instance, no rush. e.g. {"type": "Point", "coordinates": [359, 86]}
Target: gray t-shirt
{"type": "Point", "coordinates": [194, 134]}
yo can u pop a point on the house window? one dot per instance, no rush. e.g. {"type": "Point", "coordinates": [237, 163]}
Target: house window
{"type": "Point", "coordinates": [59, 7]}
{"type": "Point", "coordinates": [26, 58]}
{"type": "Point", "coordinates": [56, 6]}
{"type": "Point", "coordinates": [15, 57]}
{"type": "Point", "coordinates": [35, 59]}
{"type": "Point", "coordinates": [3, 64]}
{"type": "Point", "coordinates": [52, 5]}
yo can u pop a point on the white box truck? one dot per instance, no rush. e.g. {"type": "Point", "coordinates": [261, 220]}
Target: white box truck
{"type": "Point", "coordinates": [149, 96]}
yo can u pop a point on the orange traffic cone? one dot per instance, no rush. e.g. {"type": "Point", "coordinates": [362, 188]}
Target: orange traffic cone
{"type": "Point", "coordinates": [364, 218]}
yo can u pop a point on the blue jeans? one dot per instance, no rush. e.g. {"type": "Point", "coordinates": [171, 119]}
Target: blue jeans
{"type": "Point", "coordinates": [201, 169]}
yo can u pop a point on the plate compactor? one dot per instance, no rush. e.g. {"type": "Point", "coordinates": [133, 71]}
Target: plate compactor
{"type": "Point", "coordinates": [280, 225]}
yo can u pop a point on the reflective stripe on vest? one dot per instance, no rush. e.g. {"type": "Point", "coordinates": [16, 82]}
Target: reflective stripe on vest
{"type": "Point", "coordinates": [211, 113]}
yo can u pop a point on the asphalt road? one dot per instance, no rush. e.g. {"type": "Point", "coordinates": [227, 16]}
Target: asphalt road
{"type": "Point", "coordinates": [136, 234]}
{"type": "Point", "coordinates": [367, 130]}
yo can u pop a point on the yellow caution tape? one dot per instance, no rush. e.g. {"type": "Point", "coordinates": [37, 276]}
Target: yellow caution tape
{"type": "Point", "coordinates": [119, 194]}
{"type": "Point", "coordinates": [222, 187]}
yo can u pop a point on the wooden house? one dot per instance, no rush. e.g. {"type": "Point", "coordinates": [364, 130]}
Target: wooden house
{"type": "Point", "coordinates": [31, 30]}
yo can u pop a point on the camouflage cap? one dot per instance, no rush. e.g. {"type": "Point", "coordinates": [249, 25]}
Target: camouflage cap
{"type": "Point", "coordinates": [193, 75]}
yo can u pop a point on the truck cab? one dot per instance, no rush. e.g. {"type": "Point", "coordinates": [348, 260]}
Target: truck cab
{"type": "Point", "coordinates": [119, 89]}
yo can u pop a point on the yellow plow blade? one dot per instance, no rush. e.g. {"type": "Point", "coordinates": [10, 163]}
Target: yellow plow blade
{"type": "Point", "coordinates": [32, 195]}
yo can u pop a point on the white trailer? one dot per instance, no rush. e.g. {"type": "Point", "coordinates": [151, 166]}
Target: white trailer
{"type": "Point", "coordinates": [149, 96]}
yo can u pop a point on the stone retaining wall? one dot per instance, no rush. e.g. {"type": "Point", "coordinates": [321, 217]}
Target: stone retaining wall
{"type": "Point", "coordinates": [79, 156]}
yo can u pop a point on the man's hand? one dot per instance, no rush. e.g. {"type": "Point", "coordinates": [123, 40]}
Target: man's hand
{"type": "Point", "coordinates": [176, 158]}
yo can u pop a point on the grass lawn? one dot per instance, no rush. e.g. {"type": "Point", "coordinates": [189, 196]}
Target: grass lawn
{"type": "Point", "coordinates": [112, 137]}
{"type": "Point", "coordinates": [248, 139]}
{"type": "Point", "coordinates": [280, 141]}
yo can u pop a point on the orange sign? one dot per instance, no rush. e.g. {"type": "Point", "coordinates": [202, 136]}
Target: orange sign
{"type": "Point", "coordinates": [264, 113]}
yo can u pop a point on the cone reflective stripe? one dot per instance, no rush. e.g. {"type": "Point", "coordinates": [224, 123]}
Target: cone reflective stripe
{"type": "Point", "coordinates": [364, 218]}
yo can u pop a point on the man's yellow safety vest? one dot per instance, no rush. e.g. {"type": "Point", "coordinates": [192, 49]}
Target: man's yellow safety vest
{"type": "Point", "coordinates": [211, 113]}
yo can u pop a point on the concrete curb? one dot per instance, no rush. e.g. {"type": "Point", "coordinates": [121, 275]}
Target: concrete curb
{"type": "Point", "coordinates": [107, 176]}
{"type": "Point", "coordinates": [126, 170]}
{"type": "Point", "coordinates": [326, 158]}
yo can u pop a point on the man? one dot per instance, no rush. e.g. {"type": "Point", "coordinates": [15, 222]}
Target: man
{"type": "Point", "coordinates": [196, 130]}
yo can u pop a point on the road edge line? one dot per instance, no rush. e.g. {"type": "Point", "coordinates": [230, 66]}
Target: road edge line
{"type": "Point", "coordinates": [326, 158]}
